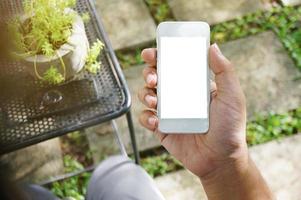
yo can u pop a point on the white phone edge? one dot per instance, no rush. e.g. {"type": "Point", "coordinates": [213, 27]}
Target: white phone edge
{"type": "Point", "coordinates": [183, 126]}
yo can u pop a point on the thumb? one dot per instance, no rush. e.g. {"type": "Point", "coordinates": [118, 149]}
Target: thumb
{"type": "Point", "coordinates": [218, 62]}
{"type": "Point", "coordinates": [226, 80]}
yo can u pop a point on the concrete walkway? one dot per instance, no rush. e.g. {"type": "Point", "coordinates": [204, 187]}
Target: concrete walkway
{"type": "Point", "coordinates": [291, 2]}
{"type": "Point", "coordinates": [214, 11]}
{"type": "Point", "coordinates": [36, 163]}
{"type": "Point", "coordinates": [128, 23]}
{"type": "Point", "coordinates": [279, 162]}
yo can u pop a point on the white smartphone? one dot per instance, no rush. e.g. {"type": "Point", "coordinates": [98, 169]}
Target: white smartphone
{"type": "Point", "coordinates": [183, 77]}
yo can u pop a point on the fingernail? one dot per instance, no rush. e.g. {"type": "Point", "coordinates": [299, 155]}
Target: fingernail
{"type": "Point", "coordinates": [145, 50]}
{"type": "Point", "coordinates": [150, 78]}
{"type": "Point", "coordinates": [152, 121]}
{"type": "Point", "coordinates": [149, 99]}
{"type": "Point", "coordinates": [217, 49]}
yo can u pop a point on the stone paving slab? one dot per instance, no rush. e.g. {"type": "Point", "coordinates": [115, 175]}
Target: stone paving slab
{"type": "Point", "coordinates": [102, 141]}
{"type": "Point", "coordinates": [181, 185]}
{"type": "Point", "coordinates": [128, 23]}
{"type": "Point", "coordinates": [266, 73]}
{"type": "Point", "coordinates": [279, 162]}
{"type": "Point", "coordinates": [214, 11]}
{"type": "Point", "coordinates": [36, 163]}
{"type": "Point", "coordinates": [291, 2]}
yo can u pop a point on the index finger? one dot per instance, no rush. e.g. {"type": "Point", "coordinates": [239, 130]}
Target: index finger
{"type": "Point", "coordinates": [150, 56]}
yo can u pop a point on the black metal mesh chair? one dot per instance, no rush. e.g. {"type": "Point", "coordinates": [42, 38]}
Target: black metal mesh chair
{"type": "Point", "coordinates": [103, 97]}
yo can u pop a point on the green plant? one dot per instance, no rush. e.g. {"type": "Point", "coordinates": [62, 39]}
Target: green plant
{"type": "Point", "coordinates": [160, 165]}
{"type": "Point", "coordinates": [273, 126]}
{"type": "Point", "coordinates": [92, 64]}
{"type": "Point", "coordinates": [44, 28]}
{"type": "Point", "coordinates": [240, 27]}
{"type": "Point", "coordinates": [160, 10]}
{"type": "Point", "coordinates": [131, 57]}
{"type": "Point", "coordinates": [47, 26]}
{"type": "Point", "coordinates": [53, 76]}
{"type": "Point", "coordinates": [74, 187]}
{"type": "Point", "coordinates": [86, 17]}
{"type": "Point", "coordinates": [288, 31]}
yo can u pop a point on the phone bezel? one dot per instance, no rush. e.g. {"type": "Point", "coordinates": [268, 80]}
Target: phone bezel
{"type": "Point", "coordinates": [182, 29]}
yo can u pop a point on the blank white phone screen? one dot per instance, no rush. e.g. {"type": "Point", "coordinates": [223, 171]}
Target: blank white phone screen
{"type": "Point", "coordinates": [183, 81]}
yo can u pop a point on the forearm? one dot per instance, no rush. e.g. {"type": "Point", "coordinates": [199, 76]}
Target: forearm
{"type": "Point", "coordinates": [235, 183]}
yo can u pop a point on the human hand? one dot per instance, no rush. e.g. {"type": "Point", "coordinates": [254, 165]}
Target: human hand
{"type": "Point", "coordinates": [225, 142]}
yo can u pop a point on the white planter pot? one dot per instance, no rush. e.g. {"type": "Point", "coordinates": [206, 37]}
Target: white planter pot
{"type": "Point", "coordinates": [73, 53]}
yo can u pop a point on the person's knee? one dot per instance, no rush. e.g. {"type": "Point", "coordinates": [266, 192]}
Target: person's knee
{"type": "Point", "coordinates": [120, 178]}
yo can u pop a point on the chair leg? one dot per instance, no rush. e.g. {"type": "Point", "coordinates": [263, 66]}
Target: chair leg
{"type": "Point", "coordinates": [118, 138]}
{"type": "Point", "coordinates": [133, 137]}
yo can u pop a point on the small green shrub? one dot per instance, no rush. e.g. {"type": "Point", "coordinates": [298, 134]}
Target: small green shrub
{"type": "Point", "coordinates": [53, 76]}
{"type": "Point", "coordinates": [130, 58]}
{"type": "Point", "coordinates": [47, 25]}
{"type": "Point", "coordinates": [43, 29]}
{"type": "Point", "coordinates": [160, 10]}
{"type": "Point", "coordinates": [273, 126]}
{"type": "Point", "coordinates": [74, 187]}
{"type": "Point", "coordinates": [160, 165]}
{"type": "Point", "coordinates": [92, 64]}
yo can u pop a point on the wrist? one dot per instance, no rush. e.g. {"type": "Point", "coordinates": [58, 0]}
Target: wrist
{"type": "Point", "coordinates": [227, 172]}
{"type": "Point", "coordinates": [233, 160]}
{"type": "Point", "coordinates": [239, 179]}
{"type": "Point", "coordinates": [235, 166]}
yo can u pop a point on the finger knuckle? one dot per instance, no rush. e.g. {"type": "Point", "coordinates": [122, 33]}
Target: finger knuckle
{"type": "Point", "coordinates": [140, 94]}
{"type": "Point", "coordinates": [141, 117]}
{"type": "Point", "coordinates": [145, 70]}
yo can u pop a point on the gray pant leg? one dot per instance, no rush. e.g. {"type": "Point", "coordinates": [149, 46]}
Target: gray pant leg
{"type": "Point", "coordinates": [118, 178]}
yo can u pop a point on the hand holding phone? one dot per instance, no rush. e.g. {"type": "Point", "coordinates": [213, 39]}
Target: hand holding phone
{"type": "Point", "coordinates": [219, 157]}
{"type": "Point", "coordinates": [226, 135]}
